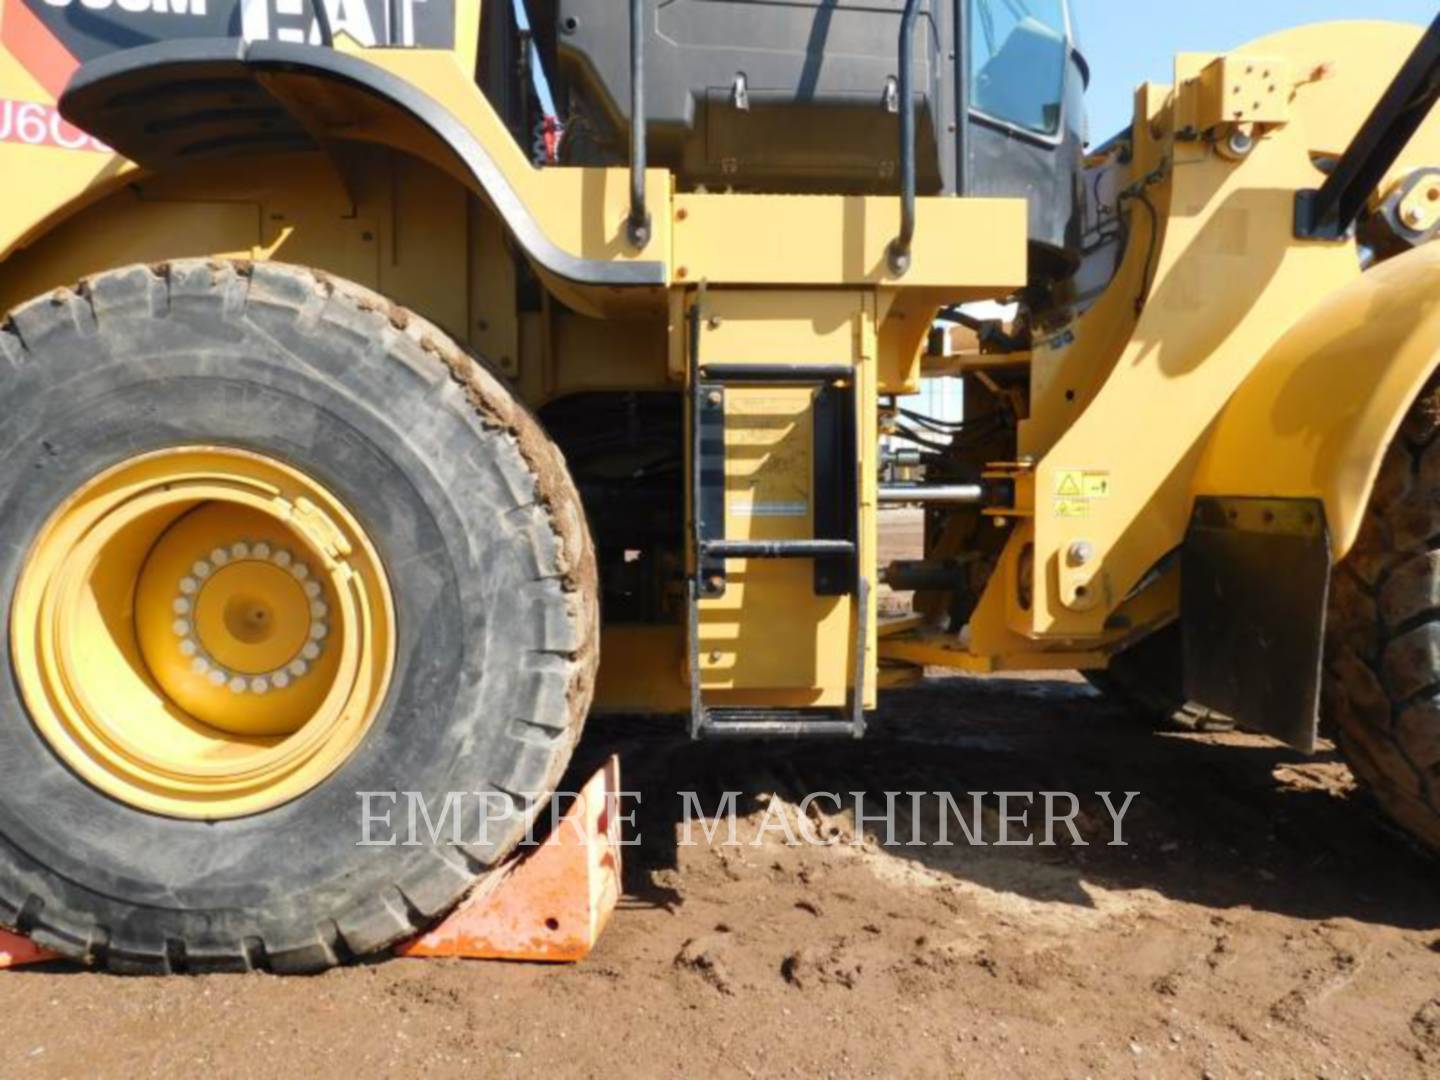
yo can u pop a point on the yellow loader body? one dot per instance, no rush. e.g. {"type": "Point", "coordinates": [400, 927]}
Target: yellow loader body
{"type": "Point", "coordinates": [1213, 364]}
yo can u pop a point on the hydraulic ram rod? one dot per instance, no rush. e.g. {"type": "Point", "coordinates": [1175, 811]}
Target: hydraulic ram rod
{"type": "Point", "coordinates": [948, 494]}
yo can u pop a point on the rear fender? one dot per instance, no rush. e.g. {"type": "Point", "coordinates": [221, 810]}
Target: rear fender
{"type": "Point", "coordinates": [180, 101]}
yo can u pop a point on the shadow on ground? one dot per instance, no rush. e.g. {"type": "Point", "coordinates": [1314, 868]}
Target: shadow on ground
{"type": "Point", "coordinates": [1225, 820]}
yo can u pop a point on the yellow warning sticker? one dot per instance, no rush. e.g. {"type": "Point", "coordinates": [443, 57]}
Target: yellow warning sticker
{"type": "Point", "coordinates": [1076, 489]}
{"type": "Point", "coordinates": [1080, 484]}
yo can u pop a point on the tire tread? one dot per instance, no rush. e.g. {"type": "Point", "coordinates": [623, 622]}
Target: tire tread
{"type": "Point", "coordinates": [1383, 701]}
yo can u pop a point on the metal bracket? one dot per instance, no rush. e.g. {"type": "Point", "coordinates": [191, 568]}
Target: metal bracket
{"type": "Point", "coordinates": [836, 496]}
{"type": "Point", "coordinates": [709, 497]}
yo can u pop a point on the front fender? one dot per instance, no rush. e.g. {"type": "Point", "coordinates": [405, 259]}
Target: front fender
{"type": "Point", "coordinates": [1315, 417]}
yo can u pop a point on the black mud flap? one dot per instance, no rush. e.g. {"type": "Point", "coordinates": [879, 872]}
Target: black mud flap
{"type": "Point", "coordinates": [1255, 581]}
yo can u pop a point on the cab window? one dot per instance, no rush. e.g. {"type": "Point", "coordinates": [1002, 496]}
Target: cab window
{"type": "Point", "coordinates": [1018, 53]}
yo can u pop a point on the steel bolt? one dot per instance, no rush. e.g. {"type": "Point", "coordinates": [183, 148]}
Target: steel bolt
{"type": "Point", "coordinates": [1081, 553]}
{"type": "Point", "coordinates": [1241, 143]}
{"type": "Point", "coordinates": [715, 322]}
{"type": "Point", "coordinates": [714, 397]}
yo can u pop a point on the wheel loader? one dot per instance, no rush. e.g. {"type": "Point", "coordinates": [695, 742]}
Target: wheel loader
{"type": "Point", "coordinates": [387, 384]}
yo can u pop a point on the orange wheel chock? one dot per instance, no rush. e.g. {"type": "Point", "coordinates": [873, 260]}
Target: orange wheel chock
{"type": "Point", "coordinates": [15, 950]}
{"type": "Point", "coordinates": [550, 903]}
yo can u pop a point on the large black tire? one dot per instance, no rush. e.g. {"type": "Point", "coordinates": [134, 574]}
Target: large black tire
{"type": "Point", "coordinates": [482, 535]}
{"type": "Point", "coordinates": [1381, 695]}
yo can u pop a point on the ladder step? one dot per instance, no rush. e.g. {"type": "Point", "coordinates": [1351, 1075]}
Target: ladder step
{"type": "Point", "coordinates": [778, 374]}
{"type": "Point", "coordinates": [775, 549]}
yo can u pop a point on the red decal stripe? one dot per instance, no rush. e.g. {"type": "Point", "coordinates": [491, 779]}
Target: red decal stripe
{"type": "Point", "coordinates": [38, 50]}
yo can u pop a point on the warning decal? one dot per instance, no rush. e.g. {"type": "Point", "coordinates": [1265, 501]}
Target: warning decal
{"type": "Point", "coordinates": [1076, 489]}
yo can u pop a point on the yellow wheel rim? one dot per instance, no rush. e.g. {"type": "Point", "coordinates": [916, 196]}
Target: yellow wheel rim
{"type": "Point", "coordinates": [203, 633]}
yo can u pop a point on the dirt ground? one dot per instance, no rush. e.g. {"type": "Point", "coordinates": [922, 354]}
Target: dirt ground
{"type": "Point", "coordinates": [1263, 921]}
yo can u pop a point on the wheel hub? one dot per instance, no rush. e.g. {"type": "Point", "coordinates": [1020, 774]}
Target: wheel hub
{"type": "Point", "coordinates": [203, 632]}
{"type": "Point", "coordinates": [245, 618]}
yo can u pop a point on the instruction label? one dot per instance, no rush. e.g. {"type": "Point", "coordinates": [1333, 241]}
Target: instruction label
{"type": "Point", "coordinates": [1077, 489]}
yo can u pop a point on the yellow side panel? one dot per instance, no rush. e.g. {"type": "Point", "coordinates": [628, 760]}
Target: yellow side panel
{"type": "Point", "coordinates": [467, 33]}
{"type": "Point", "coordinates": [976, 247]}
{"type": "Point", "coordinates": [400, 228]}
{"type": "Point", "coordinates": [769, 496]}
{"type": "Point", "coordinates": [425, 263]}
{"type": "Point", "coordinates": [642, 670]}
{"type": "Point", "coordinates": [127, 229]}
